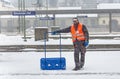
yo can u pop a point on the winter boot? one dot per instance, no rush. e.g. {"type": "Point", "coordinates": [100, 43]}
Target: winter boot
{"type": "Point", "coordinates": [77, 68]}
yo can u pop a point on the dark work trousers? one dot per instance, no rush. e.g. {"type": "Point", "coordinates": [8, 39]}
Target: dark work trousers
{"type": "Point", "coordinates": [79, 53]}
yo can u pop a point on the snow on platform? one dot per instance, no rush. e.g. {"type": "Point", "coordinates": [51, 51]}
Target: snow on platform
{"type": "Point", "coordinates": [26, 65]}
{"type": "Point", "coordinates": [18, 40]}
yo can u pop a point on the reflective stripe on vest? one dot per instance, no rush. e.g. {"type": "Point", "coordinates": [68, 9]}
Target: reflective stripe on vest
{"type": "Point", "coordinates": [77, 34]}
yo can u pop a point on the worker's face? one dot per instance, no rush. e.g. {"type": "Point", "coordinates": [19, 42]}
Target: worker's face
{"type": "Point", "coordinates": [75, 21]}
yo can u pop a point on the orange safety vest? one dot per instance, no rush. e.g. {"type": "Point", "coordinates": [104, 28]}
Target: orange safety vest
{"type": "Point", "coordinates": [77, 34]}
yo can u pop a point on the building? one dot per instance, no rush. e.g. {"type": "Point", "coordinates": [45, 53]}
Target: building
{"type": "Point", "coordinates": [6, 5]}
{"type": "Point", "coordinates": [104, 20]}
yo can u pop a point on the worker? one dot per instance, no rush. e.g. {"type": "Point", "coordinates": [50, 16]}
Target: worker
{"type": "Point", "coordinates": [80, 38]}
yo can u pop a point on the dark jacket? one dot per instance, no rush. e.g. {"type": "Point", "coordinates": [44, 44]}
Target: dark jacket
{"type": "Point", "coordinates": [68, 29]}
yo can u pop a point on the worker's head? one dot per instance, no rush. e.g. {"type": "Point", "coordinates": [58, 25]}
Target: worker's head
{"type": "Point", "coordinates": [75, 21]}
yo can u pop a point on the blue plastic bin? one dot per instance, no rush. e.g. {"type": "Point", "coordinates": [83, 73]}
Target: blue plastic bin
{"type": "Point", "coordinates": [57, 63]}
{"type": "Point", "coordinates": [53, 63]}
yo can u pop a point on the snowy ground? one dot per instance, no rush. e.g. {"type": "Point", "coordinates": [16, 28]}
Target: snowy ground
{"type": "Point", "coordinates": [18, 40]}
{"type": "Point", "coordinates": [26, 65]}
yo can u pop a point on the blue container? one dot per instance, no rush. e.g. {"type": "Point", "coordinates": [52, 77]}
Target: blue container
{"type": "Point", "coordinates": [53, 63]}
{"type": "Point", "coordinates": [58, 63]}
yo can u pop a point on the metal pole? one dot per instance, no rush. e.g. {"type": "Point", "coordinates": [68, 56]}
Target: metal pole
{"type": "Point", "coordinates": [45, 43]}
{"type": "Point", "coordinates": [24, 23]}
{"type": "Point", "coordinates": [39, 14]}
{"type": "Point", "coordinates": [47, 10]}
{"type": "Point", "coordinates": [110, 22]}
{"type": "Point", "coordinates": [60, 47]}
{"type": "Point", "coordinates": [19, 24]}
{"type": "Point", "coordinates": [21, 17]}
{"type": "Point", "coordinates": [0, 25]}
{"type": "Point", "coordinates": [54, 23]}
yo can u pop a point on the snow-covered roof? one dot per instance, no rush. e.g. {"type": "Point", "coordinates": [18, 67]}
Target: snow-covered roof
{"type": "Point", "coordinates": [77, 15]}
{"type": "Point", "coordinates": [108, 6]}
{"type": "Point", "coordinates": [68, 8]}
{"type": "Point", "coordinates": [65, 8]}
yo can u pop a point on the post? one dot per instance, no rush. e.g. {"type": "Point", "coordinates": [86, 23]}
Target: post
{"type": "Point", "coordinates": [24, 23]}
{"type": "Point", "coordinates": [0, 25]}
{"type": "Point", "coordinates": [54, 23]}
{"type": "Point", "coordinates": [47, 10]}
{"type": "Point", "coordinates": [110, 22]}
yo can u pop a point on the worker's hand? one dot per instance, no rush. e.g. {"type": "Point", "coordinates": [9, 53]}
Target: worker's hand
{"type": "Point", "coordinates": [86, 44]}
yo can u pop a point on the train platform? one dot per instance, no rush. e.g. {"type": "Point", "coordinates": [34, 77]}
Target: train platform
{"type": "Point", "coordinates": [17, 43]}
{"type": "Point", "coordinates": [26, 65]}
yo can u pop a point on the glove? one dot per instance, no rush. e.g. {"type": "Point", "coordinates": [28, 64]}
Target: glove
{"type": "Point", "coordinates": [86, 44]}
{"type": "Point", "coordinates": [54, 33]}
